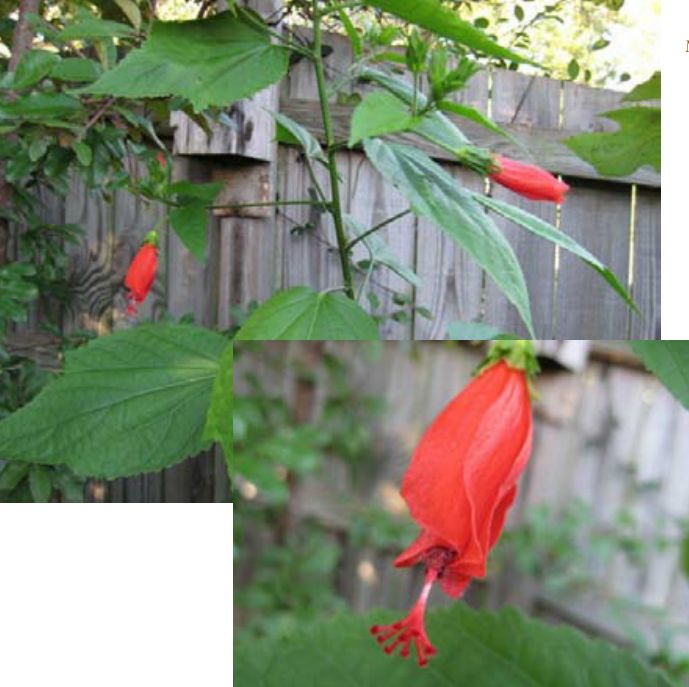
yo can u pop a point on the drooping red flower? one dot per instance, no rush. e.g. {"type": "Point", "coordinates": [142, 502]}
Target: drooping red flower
{"type": "Point", "coordinates": [528, 180]}
{"type": "Point", "coordinates": [141, 273]}
{"type": "Point", "coordinates": [459, 486]}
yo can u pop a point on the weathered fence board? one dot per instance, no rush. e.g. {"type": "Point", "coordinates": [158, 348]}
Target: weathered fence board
{"type": "Point", "coordinates": [598, 217]}
{"type": "Point", "coordinates": [532, 102]}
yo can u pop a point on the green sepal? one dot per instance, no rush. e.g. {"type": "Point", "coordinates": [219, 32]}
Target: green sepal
{"type": "Point", "coordinates": [519, 354]}
{"type": "Point", "coordinates": [152, 239]}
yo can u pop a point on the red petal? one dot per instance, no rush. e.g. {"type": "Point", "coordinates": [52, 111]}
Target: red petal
{"type": "Point", "coordinates": [461, 478]}
{"type": "Point", "coordinates": [529, 181]}
{"type": "Point", "coordinates": [141, 273]}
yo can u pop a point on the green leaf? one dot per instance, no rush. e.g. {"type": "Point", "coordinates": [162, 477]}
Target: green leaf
{"type": "Point", "coordinates": [476, 331]}
{"type": "Point", "coordinates": [34, 66]}
{"type": "Point", "coordinates": [292, 132]}
{"type": "Point", "coordinates": [475, 648]}
{"type": "Point", "coordinates": [477, 117]}
{"type": "Point", "coordinates": [351, 32]}
{"type": "Point", "coordinates": [433, 193]}
{"type": "Point", "coordinates": [301, 313]}
{"type": "Point", "coordinates": [11, 474]}
{"type": "Point", "coordinates": [38, 148]}
{"type": "Point", "coordinates": [537, 226]}
{"type": "Point", "coordinates": [378, 114]}
{"type": "Point", "coordinates": [434, 126]}
{"type": "Point", "coordinates": [648, 90]}
{"type": "Point", "coordinates": [573, 69]}
{"type": "Point", "coordinates": [190, 223]}
{"type": "Point", "coordinates": [189, 190]}
{"type": "Point", "coordinates": [40, 484]}
{"type": "Point", "coordinates": [131, 10]}
{"type": "Point", "coordinates": [380, 251]}
{"type": "Point", "coordinates": [669, 362]}
{"type": "Point", "coordinates": [190, 219]}
{"type": "Point", "coordinates": [132, 402]}
{"type": "Point", "coordinates": [219, 420]}
{"type": "Point", "coordinates": [600, 44]}
{"type": "Point", "coordinates": [76, 69]}
{"type": "Point", "coordinates": [214, 61]}
{"type": "Point", "coordinates": [83, 152]}
{"type": "Point", "coordinates": [91, 27]}
{"type": "Point", "coordinates": [16, 291]}
{"type": "Point", "coordinates": [40, 106]}
{"type": "Point", "coordinates": [635, 144]}
{"type": "Point", "coordinates": [445, 21]}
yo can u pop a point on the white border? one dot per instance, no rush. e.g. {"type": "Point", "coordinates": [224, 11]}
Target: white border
{"type": "Point", "coordinates": [116, 594]}
{"type": "Point", "coordinates": [675, 161]}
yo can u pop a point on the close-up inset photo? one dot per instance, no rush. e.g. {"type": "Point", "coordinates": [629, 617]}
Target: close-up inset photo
{"type": "Point", "coordinates": [488, 513]}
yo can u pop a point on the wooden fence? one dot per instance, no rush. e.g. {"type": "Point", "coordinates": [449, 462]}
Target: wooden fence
{"type": "Point", "coordinates": [606, 432]}
{"type": "Point", "coordinates": [254, 251]}
{"type": "Point", "coordinates": [616, 219]}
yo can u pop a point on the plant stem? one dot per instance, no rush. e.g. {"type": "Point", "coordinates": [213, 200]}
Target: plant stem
{"type": "Point", "coordinates": [335, 204]}
{"type": "Point", "coordinates": [378, 226]}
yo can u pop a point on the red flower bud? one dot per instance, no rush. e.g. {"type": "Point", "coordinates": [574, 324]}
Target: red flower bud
{"type": "Point", "coordinates": [162, 160]}
{"type": "Point", "coordinates": [459, 486]}
{"type": "Point", "coordinates": [528, 180]}
{"type": "Point", "coordinates": [141, 275]}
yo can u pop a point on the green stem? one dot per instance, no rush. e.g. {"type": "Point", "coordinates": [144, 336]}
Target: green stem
{"type": "Point", "coordinates": [335, 203]}
{"type": "Point", "coordinates": [377, 227]}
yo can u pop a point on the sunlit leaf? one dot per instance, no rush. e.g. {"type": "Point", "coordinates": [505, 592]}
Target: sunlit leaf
{"type": "Point", "coordinates": [214, 61]}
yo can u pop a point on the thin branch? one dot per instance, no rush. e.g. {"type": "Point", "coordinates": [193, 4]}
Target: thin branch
{"type": "Point", "coordinates": [99, 113]}
{"type": "Point", "coordinates": [377, 227]}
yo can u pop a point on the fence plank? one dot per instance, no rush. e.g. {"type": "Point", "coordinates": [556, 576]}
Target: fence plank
{"type": "Point", "coordinates": [598, 217]}
{"type": "Point", "coordinates": [371, 200]}
{"type": "Point", "coordinates": [646, 286]}
{"type": "Point", "coordinates": [533, 102]}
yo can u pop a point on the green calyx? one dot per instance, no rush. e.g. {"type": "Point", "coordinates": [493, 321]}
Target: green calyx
{"type": "Point", "coordinates": [479, 160]}
{"type": "Point", "coordinates": [152, 239]}
{"type": "Point", "coordinates": [519, 354]}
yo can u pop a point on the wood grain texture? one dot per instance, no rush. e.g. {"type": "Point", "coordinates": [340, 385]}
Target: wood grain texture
{"type": "Point", "coordinates": [532, 102]}
{"type": "Point", "coordinates": [598, 217]}
{"type": "Point", "coordinates": [647, 269]}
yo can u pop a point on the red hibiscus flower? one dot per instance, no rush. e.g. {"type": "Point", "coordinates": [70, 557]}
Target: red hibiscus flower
{"type": "Point", "coordinates": [528, 180]}
{"type": "Point", "coordinates": [459, 486]}
{"type": "Point", "coordinates": [141, 273]}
